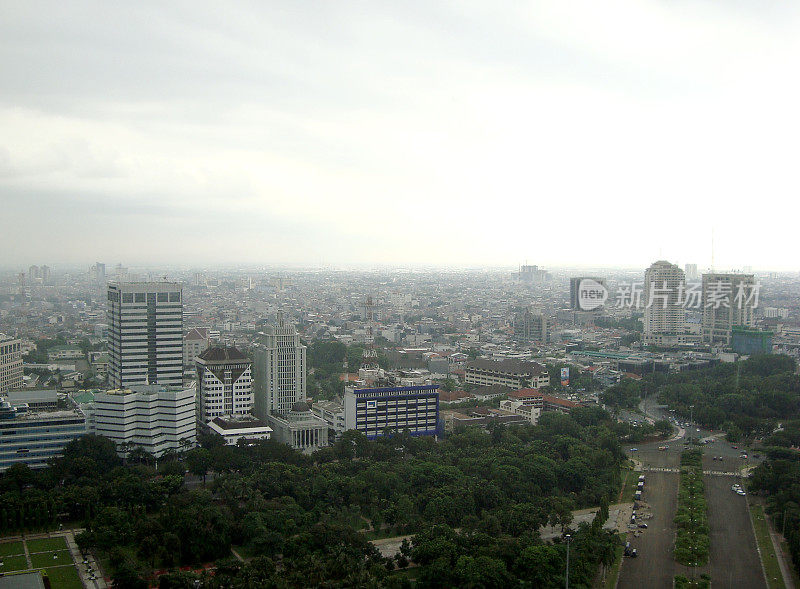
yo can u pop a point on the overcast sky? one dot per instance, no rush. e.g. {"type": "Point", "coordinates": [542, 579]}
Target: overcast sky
{"type": "Point", "coordinates": [461, 133]}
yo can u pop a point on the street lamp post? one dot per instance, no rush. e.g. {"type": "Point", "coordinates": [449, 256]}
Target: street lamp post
{"type": "Point", "coordinates": [567, 538]}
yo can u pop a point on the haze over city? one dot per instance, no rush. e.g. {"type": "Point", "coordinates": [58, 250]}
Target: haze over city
{"type": "Point", "coordinates": [570, 134]}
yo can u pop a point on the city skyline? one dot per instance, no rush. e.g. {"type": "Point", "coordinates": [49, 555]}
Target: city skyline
{"type": "Point", "coordinates": [423, 134]}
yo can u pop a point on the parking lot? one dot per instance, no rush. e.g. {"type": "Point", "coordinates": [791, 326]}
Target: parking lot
{"type": "Point", "coordinates": [734, 560]}
{"type": "Point", "coordinates": [654, 566]}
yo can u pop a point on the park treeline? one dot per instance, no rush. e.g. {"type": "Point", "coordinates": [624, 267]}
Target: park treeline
{"type": "Point", "coordinates": [744, 398]}
{"type": "Point", "coordinates": [473, 503]}
{"type": "Point", "coordinates": [778, 477]}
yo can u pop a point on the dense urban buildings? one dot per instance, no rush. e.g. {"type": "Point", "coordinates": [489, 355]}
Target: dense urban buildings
{"type": "Point", "coordinates": [145, 337]}
{"type": "Point", "coordinates": [224, 383]}
{"type": "Point", "coordinates": [584, 293]}
{"type": "Point", "coordinates": [10, 363]}
{"type": "Point", "coordinates": [531, 327]}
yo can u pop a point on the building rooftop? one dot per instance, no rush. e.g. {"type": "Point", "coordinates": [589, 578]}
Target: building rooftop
{"type": "Point", "coordinates": [223, 354]}
{"type": "Point", "coordinates": [227, 422]}
{"type": "Point", "coordinates": [508, 366]}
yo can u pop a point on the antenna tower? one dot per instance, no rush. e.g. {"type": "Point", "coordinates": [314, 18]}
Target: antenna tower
{"type": "Point", "coordinates": [369, 360]}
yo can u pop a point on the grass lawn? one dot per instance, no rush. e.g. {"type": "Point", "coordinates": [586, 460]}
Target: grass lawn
{"type": "Point", "coordinates": [13, 563]}
{"type": "Point", "coordinates": [64, 578]}
{"type": "Point", "coordinates": [630, 478]}
{"type": "Point", "coordinates": [768, 558]}
{"type": "Point", "coordinates": [47, 544]}
{"type": "Point", "coordinates": [43, 560]}
{"type": "Point", "coordinates": [8, 548]}
{"type": "Point", "coordinates": [613, 573]}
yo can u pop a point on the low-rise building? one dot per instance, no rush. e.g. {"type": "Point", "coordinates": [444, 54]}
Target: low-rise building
{"type": "Point", "coordinates": [529, 411]}
{"type": "Point", "coordinates": [237, 427]}
{"type": "Point", "coordinates": [515, 374]}
{"type": "Point", "coordinates": [372, 411]}
{"type": "Point", "coordinates": [332, 413]}
{"type": "Point", "coordinates": [58, 353]}
{"type": "Point", "coordinates": [35, 437]}
{"type": "Point", "coordinates": [300, 428]}
{"type": "Point", "coordinates": [195, 342]}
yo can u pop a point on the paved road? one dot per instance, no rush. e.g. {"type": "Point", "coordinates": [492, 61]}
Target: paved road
{"type": "Point", "coordinates": [734, 557]}
{"type": "Point", "coordinates": [655, 567]}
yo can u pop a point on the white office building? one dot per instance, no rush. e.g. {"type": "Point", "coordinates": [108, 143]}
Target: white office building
{"type": "Point", "coordinates": [145, 338]}
{"type": "Point", "coordinates": [279, 370]}
{"type": "Point", "coordinates": [279, 376]}
{"type": "Point", "coordinates": [224, 383]}
{"type": "Point", "coordinates": [10, 363]}
{"type": "Point", "coordinates": [664, 313]}
{"type": "Point", "coordinates": [152, 417]}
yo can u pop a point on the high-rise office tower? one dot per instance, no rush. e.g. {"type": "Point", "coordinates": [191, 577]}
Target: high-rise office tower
{"type": "Point", "coordinates": [691, 271]}
{"type": "Point", "coordinates": [664, 314]}
{"type": "Point", "coordinates": [10, 363]}
{"type": "Point", "coordinates": [728, 301]}
{"type": "Point", "coordinates": [279, 376]}
{"type": "Point", "coordinates": [224, 383]}
{"type": "Point", "coordinates": [531, 327]}
{"type": "Point", "coordinates": [145, 334]}
{"type": "Point", "coordinates": [279, 370]}
{"type": "Point", "coordinates": [585, 293]}
{"type": "Point", "coordinates": [99, 273]}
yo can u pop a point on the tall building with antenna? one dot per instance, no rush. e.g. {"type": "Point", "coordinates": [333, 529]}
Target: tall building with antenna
{"type": "Point", "coordinates": [370, 370]}
{"type": "Point", "coordinates": [727, 303]}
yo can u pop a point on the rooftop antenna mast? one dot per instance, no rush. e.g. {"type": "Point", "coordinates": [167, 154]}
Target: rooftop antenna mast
{"type": "Point", "coordinates": [712, 249]}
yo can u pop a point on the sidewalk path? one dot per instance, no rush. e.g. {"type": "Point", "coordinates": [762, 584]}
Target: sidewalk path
{"type": "Point", "coordinates": [776, 543]}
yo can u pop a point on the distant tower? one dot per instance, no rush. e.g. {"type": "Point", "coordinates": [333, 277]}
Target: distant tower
{"type": "Point", "coordinates": [369, 362]}
{"type": "Point", "coordinates": [21, 283]}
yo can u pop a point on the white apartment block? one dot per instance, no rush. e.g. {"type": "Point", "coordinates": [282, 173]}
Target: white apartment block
{"type": "Point", "coordinates": [152, 417]}
{"type": "Point", "coordinates": [145, 339]}
{"type": "Point", "coordinates": [664, 315]}
{"type": "Point", "coordinates": [279, 370]}
{"type": "Point", "coordinates": [10, 363]}
{"type": "Point", "coordinates": [529, 411]}
{"type": "Point", "coordinates": [727, 302]}
{"type": "Point", "coordinates": [224, 383]}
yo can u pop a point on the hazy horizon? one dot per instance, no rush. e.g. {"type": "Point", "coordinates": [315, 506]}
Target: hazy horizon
{"type": "Point", "coordinates": [423, 134]}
